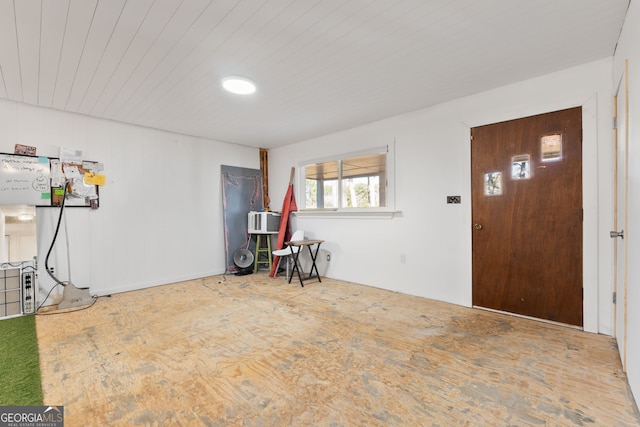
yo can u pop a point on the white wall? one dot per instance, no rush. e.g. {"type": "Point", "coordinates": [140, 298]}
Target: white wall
{"type": "Point", "coordinates": [160, 216]}
{"type": "Point", "coordinates": [629, 49]}
{"type": "Point", "coordinates": [23, 245]}
{"type": "Point", "coordinates": [433, 161]}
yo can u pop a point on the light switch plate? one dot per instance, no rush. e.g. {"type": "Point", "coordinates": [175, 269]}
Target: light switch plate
{"type": "Point", "coordinates": [453, 200]}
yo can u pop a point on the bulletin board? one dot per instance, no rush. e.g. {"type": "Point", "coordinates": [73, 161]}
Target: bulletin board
{"type": "Point", "coordinates": [25, 180]}
{"type": "Point", "coordinates": [79, 191]}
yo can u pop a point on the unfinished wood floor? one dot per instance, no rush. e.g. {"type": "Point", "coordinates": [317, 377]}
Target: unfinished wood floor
{"type": "Point", "coordinates": [257, 351]}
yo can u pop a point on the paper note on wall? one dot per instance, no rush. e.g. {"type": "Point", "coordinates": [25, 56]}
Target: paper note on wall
{"type": "Point", "coordinates": [94, 178]}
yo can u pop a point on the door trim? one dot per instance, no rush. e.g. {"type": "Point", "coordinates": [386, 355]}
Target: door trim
{"type": "Point", "coordinates": [626, 207]}
{"type": "Point", "coordinates": [591, 274]}
{"type": "Point", "coordinates": [621, 136]}
{"type": "Point", "coordinates": [590, 240]}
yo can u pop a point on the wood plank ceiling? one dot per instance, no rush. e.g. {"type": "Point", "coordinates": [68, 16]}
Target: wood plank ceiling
{"type": "Point", "coordinates": [320, 65]}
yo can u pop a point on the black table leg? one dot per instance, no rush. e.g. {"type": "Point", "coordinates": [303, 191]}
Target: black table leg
{"type": "Point", "coordinates": [313, 262]}
{"type": "Point", "coordinates": [295, 256]}
{"type": "Point", "coordinates": [314, 266]}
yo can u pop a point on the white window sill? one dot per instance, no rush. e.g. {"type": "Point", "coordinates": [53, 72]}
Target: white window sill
{"type": "Point", "coordinates": [356, 214]}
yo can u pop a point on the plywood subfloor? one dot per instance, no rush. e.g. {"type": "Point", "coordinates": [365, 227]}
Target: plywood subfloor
{"type": "Point", "coordinates": [257, 351]}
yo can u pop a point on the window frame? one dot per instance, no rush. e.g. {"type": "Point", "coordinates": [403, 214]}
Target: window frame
{"type": "Point", "coordinates": [384, 211]}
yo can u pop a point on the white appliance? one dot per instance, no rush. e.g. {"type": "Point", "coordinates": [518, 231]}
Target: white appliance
{"type": "Point", "coordinates": [263, 223]}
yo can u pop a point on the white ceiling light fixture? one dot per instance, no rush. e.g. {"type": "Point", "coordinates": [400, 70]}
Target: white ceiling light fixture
{"type": "Point", "coordinates": [239, 85]}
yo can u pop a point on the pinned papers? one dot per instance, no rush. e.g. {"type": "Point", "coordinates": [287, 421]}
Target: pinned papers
{"type": "Point", "coordinates": [72, 172]}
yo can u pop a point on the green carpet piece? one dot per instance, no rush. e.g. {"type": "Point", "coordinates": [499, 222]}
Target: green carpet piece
{"type": "Point", "coordinates": [19, 362]}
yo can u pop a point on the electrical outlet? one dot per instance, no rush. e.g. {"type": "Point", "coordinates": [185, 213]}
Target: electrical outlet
{"type": "Point", "coordinates": [403, 258]}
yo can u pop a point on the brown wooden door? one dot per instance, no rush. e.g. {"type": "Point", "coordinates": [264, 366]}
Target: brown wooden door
{"type": "Point", "coordinates": [527, 216]}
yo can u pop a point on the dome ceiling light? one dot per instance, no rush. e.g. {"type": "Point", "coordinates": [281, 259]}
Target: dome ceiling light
{"type": "Point", "coordinates": [239, 85]}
